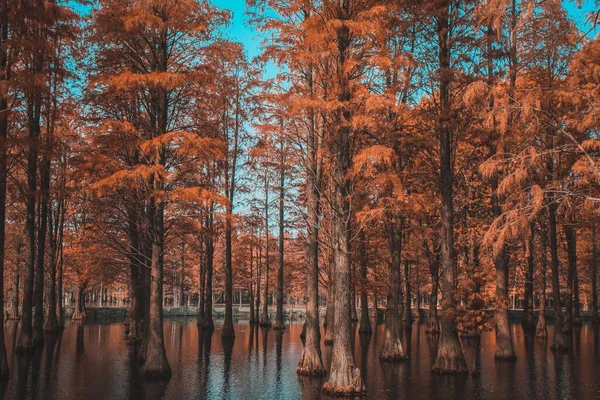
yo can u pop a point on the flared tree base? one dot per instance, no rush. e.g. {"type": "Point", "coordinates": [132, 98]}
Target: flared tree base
{"type": "Point", "coordinates": [78, 316]}
{"type": "Point", "coordinates": [508, 356]}
{"type": "Point", "coordinates": [156, 369]}
{"type": "Point", "coordinates": [347, 383]}
{"type": "Point", "coordinates": [279, 326]}
{"type": "Point", "coordinates": [310, 364]}
{"type": "Point", "coordinates": [450, 361]}
{"type": "Point", "coordinates": [560, 343]}
{"type": "Point", "coordinates": [265, 323]}
{"type": "Point", "coordinates": [392, 351]}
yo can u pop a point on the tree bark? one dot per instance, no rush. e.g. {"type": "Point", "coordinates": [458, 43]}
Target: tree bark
{"type": "Point", "coordinates": [541, 330]}
{"type": "Point", "coordinates": [79, 312]}
{"type": "Point", "coordinates": [264, 316]}
{"type": "Point", "coordinates": [279, 313]}
{"type": "Point", "coordinates": [571, 266]}
{"type": "Point", "coordinates": [528, 320]}
{"type": "Point", "coordinates": [391, 348]}
{"type": "Point", "coordinates": [344, 376]}
{"type": "Point", "coordinates": [594, 277]}
{"type": "Point", "coordinates": [4, 372]}
{"type": "Point", "coordinates": [210, 260]}
{"type": "Point", "coordinates": [365, 321]}
{"type": "Point", "coordinates": [311, 360]}
{"type": "Point", "coordinates": [560, 340]}
{"type": "Point", "coordinates": [408, 317]}
{"type": "Point", "coordinates": [450, 358]}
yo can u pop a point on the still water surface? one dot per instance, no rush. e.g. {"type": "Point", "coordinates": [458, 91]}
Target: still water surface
{"type": "Point", "coordinates": [94, 362]}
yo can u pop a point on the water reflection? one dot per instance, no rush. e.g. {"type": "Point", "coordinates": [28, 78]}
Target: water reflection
{"type": "Point", "coordinates": [94, 361]}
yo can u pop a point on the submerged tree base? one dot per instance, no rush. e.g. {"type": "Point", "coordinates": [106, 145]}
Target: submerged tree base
{"type": "Point", "coordinates": [560, 342]}
{"type": "Point", "coordinates": [352, 385]}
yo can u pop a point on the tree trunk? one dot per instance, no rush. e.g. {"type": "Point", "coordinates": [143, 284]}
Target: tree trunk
{"type": "Point", "coordinates": [202, 289]}
{"type": "Point", "coordinates": [344, 376]}
{"type": "Point", "coordinates": [391, 348]}
{"type": "Point", "coordinates": [79, 312]}
{"type": "Point", "coordinates": [365, 321]}
{"type": "Point", "coordinates": [560, 340]}
{"type": "Point", "coordinates": [264, 316]}
{"type": "Point", "coordinates": [330, 310]}
{"type": "Point", "coordinates": [408, 317]}
{"type": "Point", "coordinates": [571, 266]}
{"type": "Point", "coordinates": [311, 361]}
{"type": "Point", "coordinates": [432, 320]}
{"type": "Point", "coordinates": [4, 373]}
{"type": "Point", "coordinates": [279, 313]}
{"type": "Point", "coordinates": [540, 330]}
{"type": "Point", "coordinates": [208, 296]}
{"type": "Point", "coordinates": [594, 278]}
{"type": "Point", "coordinates": [528, 320]}
{"type": "Point", "coordinates": [156, 365]}
{"type": "Point", "coordinates": [450, 357]}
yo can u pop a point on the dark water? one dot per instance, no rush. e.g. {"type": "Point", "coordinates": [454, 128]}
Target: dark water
{"type": "Point", "coordinates": [93, 362]}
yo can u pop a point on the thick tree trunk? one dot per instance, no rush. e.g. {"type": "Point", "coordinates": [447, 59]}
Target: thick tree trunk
{"type": "Point", "coordinates": [330, 310]}
{"type": "Point", "coordinates": [407, 314]}
{"type": "Point", "coordinates": [344, 376]}
{"type": "Point", "coordinates": [540, 329]}
{"type": "Point", "coordinates": [576, 304]}
{"type": "Point", "coordinates": [594, 277]}
{"type": "Point", "coordinates": [311, 361]}
{"type": "Point", "coordinates": [79, 311]}
{"type": "Point", "coordinates": [571, 266]}
{"type": "Point", "coordinates": [391, 348]}
{"type": "Point", "coordinates": [528, 320]}
{"type": "Point", "coordinates": [156, 365]}
{"type": "Point", "coordinates": [26, 336]}
{"type": "Point", "coordinates": [60, 315]}
{"type": "Point", "coordinates": [279, 313]}
{"type": "Point", "coordinates": [201, 290]}
{"type": "Point", "coordinates": [228, 329]}
{"type": "Point", "coordinates": [252, 320]}
{"type": "Point", "coordinates": [210, 260]}
{"type": "Point", "coordinates": [264, 316]}
{"type": "Point", "coordinates": [450, 358]}
{"type": "Point", "coordinates": [560, 340]}
{"type": "Point", "coordinates": [4, 373]}
{"type": "Point", "coordinates": [432, 320]}
{"type": "Point", "coordinates": [365, 321]}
